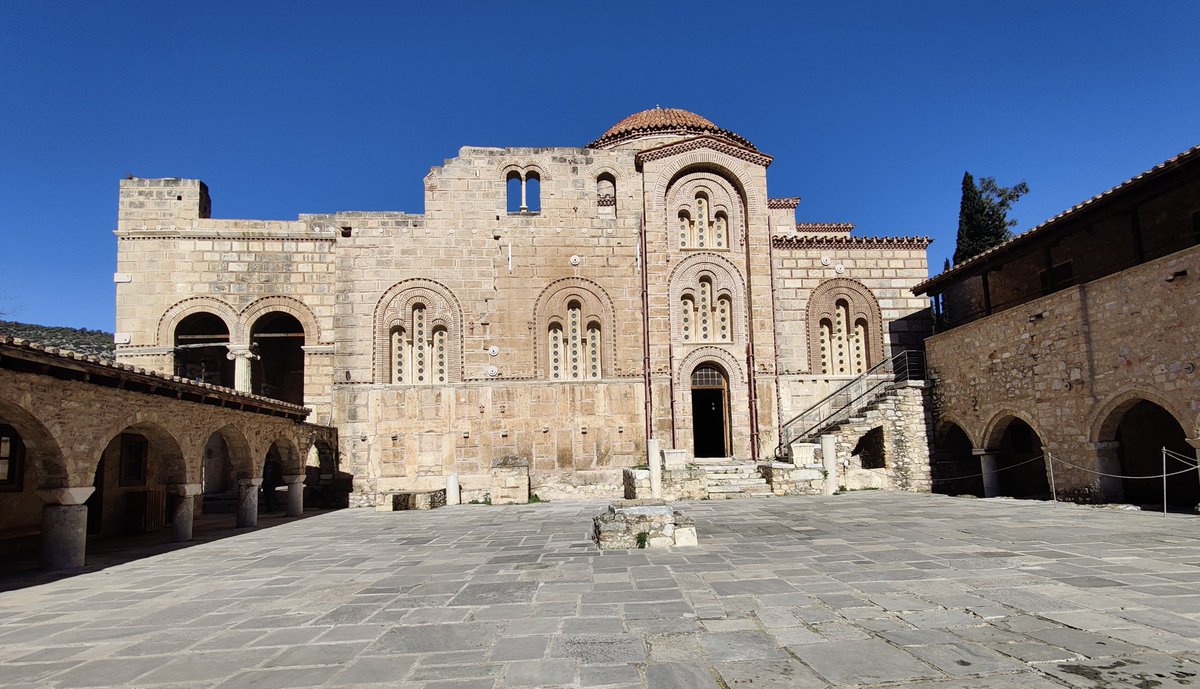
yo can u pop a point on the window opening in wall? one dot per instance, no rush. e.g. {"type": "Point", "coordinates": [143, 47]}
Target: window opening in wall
{"type": "Point", "coordinates": [134, 451]}
{"type": "Point", "coordinates": [533, 193]}
{"type": "Point", "coordinates": [705, 318]}
{"type": "Point", "coordinates": [515, 190]}
{"type": "Point", "coordinates": [606, 191]}
{"type": "Point", "coordinates": [844, 345]}
{"type": "Point", "coordinates": [574, 348]}
{"type": "Point", "coordinates": [710, 412]}
{"type": "Point", "coordinates": [419, 354]}
{"type": "Point", "coordinates": [201, 350]}
{"type": "Point", "coordinates": [12, 458]}
{"type": "Point", "coordinates": [707, 229]}
{"type": "Point", "coordinates": [278, 373]}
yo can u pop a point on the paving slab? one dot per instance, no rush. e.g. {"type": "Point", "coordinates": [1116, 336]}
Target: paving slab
{"type": "Point", "coordinates": [858, 590]}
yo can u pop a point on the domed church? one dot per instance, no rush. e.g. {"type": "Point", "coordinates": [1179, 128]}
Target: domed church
{"type": "Point", "coordinates": [572, 307]}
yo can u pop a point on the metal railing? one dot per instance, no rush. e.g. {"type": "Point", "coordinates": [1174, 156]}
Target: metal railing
{"type": "Point", "coordinates": [850, 398]}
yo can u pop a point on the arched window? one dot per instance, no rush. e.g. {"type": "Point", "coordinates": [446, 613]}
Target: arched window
{"type": "Point", "coordinates": [201, 346]}
{"type": "Point", "coordinates": [844, 328]}
{"type": "Point", "coordinates": [516, 191]}
{"type": "Point", "coordinates": [700, 227]}
{"type": "Point", "coordinates": [419, 352]}
{"type": "Point", "coordinates": [705, 317]}
{"type": "Point", "coordinates": [606, 194]}
{"type": "Point", "coordinates": [524, 191]}
{"type": "Point", "coordinates": [573, 347]}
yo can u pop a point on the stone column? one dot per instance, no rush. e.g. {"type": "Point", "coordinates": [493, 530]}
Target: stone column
{"type": "Point", "coordinates": [1195, 443]}
{"type": "Point", "coordinates": [242, 356]}
{"type": "Point", "coordinates": [247, 514]}
{"type": "Point", "coordinates": [64, 526]}
{"type": "Point", "coordinates": [654, 461]}
{"type": "Point", "coordinates": [829, 462]}
{"type": "Point", "coordinates": [295, 494]}
{"type": "Point", "coordinates": [453, 491]}
{"type": "Point", "coordinates": [185, 511]}
{"type": "Point", "coordinates": [987, 465]}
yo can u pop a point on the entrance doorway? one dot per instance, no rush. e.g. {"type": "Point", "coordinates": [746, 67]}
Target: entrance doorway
{"type": "Point", "coordinates": [710, 411]}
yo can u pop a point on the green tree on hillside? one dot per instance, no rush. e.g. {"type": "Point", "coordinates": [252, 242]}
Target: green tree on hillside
{"type": "Point", "coordinates": [983, 220]}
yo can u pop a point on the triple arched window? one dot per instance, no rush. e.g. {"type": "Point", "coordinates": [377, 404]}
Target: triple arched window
{"type": "Point", "coordinates": [702, 227]}
{"type": "Point", "coordinates": [705, 314]}
{"type": "Point", "coordinates": [419, 350]}
{"type": "Point", "coordinates": [574, 346]}
{"type": "Point", "coordinates": [844, 326]}
{"type": "Point", "coordinates": [844, 343]}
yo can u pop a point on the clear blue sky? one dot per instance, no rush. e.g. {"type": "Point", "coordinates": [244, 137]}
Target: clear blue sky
{"type": "Point", "coordinates": [872, 110]}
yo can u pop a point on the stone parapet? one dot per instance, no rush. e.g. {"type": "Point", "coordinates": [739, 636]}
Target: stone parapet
{"type": "Point", "coordinates": [789, 479]}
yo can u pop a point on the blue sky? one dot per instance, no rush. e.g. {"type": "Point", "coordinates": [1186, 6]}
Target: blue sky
{"type": "Point", "coordinates": [872, 110]}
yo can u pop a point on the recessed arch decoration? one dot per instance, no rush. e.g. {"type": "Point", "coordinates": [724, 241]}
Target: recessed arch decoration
{"type": "Point", "coordinates": [705, 212]}
{"type": "Point", "coordinates": [846, 309]}
{"type": "Point", "coordinates": [739, 174]}
{"type": "Point", "coordinates": [421, 316]}
{"type": "Point", "coordinates": [591, 308]}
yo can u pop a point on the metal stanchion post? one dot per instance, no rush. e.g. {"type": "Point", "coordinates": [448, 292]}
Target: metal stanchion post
{"type": "Point", "coordinates": [1053, 489]}
{"type": "Point", "coordinates": [1164, 457]}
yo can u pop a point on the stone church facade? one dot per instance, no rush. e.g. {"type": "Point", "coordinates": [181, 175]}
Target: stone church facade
{"type": "Point", "coordinates": [559, 304]}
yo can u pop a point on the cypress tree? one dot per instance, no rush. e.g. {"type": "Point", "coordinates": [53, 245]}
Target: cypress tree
{"type": "Point", "coordinates": [983, 220]}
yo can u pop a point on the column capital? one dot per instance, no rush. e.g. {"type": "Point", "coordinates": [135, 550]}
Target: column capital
{"type": "Point", "coordinates": [185, 490]}
{"type": "Point", "coordinates": [248, 482]}
{"type": "Point", "coordinates": [293, 478]}
{"type": "Point", "coordinates": [243, 351]}
{"type": "Point", "coordinates": [66, 496]}
{"type": "Point", "coordinates": [980, 452]}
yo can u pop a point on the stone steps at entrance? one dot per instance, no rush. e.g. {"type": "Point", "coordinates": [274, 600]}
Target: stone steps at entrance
{"type": "Point", "coordinates": [728, 478]}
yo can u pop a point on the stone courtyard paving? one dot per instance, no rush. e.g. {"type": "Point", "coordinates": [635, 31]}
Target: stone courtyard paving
{"type": "Point", "coordinates": [865, 589]}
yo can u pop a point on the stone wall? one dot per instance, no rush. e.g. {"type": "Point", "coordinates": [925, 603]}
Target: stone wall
{"type": "Point", "coordinates": [887, 447]}
{"type": "Point", "coordinates": [1067, 363]}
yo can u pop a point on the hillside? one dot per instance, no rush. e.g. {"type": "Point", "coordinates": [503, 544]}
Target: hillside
{"type": "Point", "coordinates": [91, 342]}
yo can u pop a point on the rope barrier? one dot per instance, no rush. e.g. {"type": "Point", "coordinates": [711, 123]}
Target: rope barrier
{"type": "Point", "coordinates": [996, 472]}
{"type": "Point", "coordinates": [1192, 466]}
{"type": "Point", "coordinates": [1101, 473]}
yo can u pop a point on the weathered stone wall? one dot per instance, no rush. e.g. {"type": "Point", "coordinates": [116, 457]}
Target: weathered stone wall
{"type": "Point", "coordinates": [68, 426]}
{"type": "Point", "coordinates": [888, 446]}
{"type": "Point", "coordinates": [886, 269]}
{"type": "Point", "coordinates": [1065, 362]}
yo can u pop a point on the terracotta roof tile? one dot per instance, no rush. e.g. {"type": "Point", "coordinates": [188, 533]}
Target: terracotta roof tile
{"type": "Point", "coordinates": [663, 121]}
{"type": "Point", "coordinates": [1188, 155]}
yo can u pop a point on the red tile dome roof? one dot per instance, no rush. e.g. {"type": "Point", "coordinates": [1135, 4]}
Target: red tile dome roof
{"type": "Point", "coordinates": [657, 121]}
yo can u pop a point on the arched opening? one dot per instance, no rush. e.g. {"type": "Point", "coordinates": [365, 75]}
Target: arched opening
{"type": "Point", "coordinates": [202, 348]}
{"type": "Point", "coordinates": [324, 485]}
{"type": "Point", "coordinates": [278, 340]}
{"type": "Point", "coordinates": [226, 459]}
{"type": "Point", "coordinates": [130, 483]}
{"type": "Point", "coordinates": [1021, 469]}
{"type": "Point", "coordinates": [1143, 430]}
{"type": "Point", "coordinates": [870, 449]}
{"type": "Point", "coordinates": [514, 187]}
{"type": "Point", "coordinates": [606, 194]}
{"type": "Point", "coordinates": [282, 459]}
{"type": "Point", "coordinates": [955, 470]}
{"type": "Point", "coordinates": [533, 192]}
{"type": "Point", "coordinates": [29, 459]}
{"type": "Point", "coordinates": [710, 411]}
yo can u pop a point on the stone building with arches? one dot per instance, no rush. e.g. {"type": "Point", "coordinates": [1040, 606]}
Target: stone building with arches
{"type": "Point", "coordinates": [1068, 355]}
{"type": "Point", "coordinates": [562, 304]}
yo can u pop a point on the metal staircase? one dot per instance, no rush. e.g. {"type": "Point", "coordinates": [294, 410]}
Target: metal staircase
{"type": "Point", "coordinates": [850, 400]}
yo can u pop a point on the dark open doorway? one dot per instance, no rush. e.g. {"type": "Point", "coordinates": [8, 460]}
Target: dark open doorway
{"type": "Point", "coordinates": [278, 339]}
{"type": "Point", "coordinates": [710, 412]}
